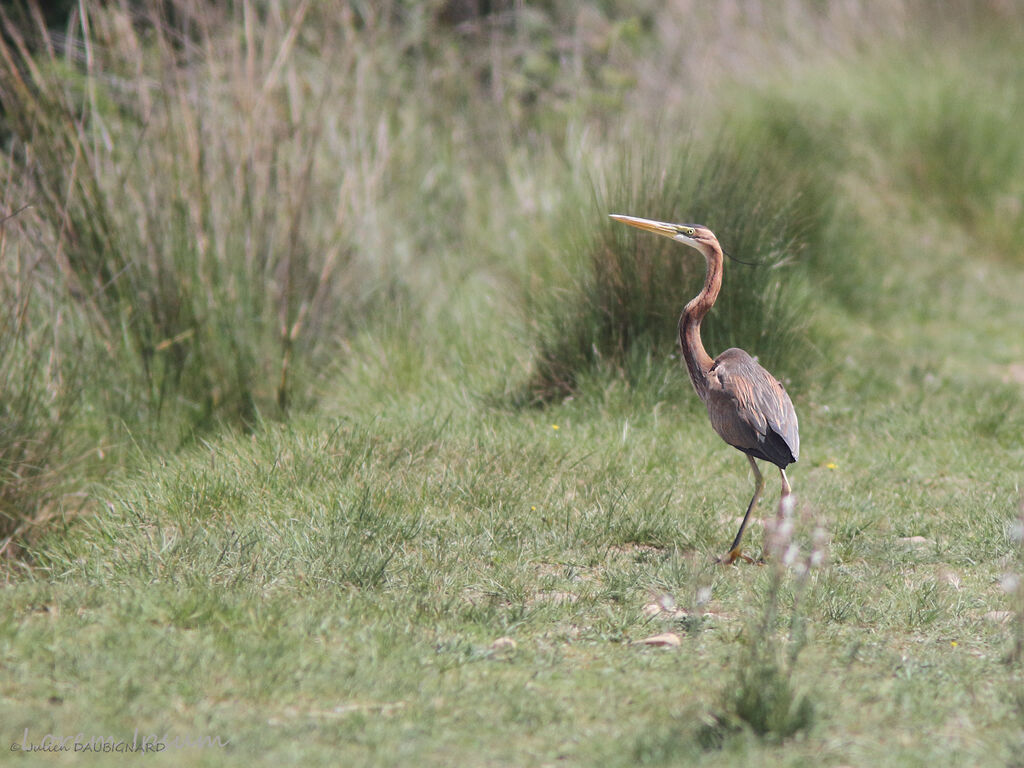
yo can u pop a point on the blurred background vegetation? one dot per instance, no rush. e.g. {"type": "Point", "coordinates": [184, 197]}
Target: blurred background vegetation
{"type": "Point", "coordinates": [211, 210]}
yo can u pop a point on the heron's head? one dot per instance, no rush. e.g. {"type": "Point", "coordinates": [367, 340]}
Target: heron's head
{"type": "Point", "coordinates": [693, 235]}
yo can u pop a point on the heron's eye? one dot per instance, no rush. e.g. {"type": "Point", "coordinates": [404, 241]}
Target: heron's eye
{"type": "Point", "coordinates": [688, 231]}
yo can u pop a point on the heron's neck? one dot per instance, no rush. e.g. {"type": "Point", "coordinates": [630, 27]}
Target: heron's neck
{"type": "Point", "coordinates": [698, 361]}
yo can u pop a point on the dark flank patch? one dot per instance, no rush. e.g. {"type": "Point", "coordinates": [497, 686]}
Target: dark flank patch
{"type": "Point", "coordinates": [773, 449]}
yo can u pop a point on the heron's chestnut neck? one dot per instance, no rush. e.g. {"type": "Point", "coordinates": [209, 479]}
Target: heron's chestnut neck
{"type": "Point", "coordinates": [698, 361]}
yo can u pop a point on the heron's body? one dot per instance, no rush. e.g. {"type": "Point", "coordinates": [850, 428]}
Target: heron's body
{"type": "Point", "coordinates": [747, 406]}
{"type": "Point", "coordinates": [750, 410]}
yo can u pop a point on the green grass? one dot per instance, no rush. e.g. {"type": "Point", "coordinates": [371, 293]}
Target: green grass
{"type": "Point", "coordinates": [333, 591]}
{"type": "Point", "coordinates": [398, 561]}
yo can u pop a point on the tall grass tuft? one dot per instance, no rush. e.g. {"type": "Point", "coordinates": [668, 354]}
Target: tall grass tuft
{"type": "Point", "coordinates": [38, 395]}
{"type": "Point", "coordinates": [182, 163]}
{"type": "Point", "coordinates": [632, 286]}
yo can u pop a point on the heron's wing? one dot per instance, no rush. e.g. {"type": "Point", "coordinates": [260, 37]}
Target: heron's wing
{"type": "Point", "coordinates": [751, 410]}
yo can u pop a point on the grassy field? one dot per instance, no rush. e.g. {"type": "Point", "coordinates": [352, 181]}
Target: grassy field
{"type": "Point", "coordinates": [339, 424]}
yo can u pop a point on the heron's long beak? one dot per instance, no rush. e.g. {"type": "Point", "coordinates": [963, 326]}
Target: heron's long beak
{"type": "Point", "coordinates": [658, 227]}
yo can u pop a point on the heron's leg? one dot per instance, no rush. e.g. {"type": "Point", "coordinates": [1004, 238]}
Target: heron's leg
{"type": "Point", "coordinates": [787, 491]}
{"type": "Point", "coordinates": [734, 551]}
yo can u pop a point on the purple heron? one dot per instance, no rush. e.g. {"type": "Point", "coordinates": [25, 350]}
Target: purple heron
{"type": "Point", "coordinates": [748, 407]}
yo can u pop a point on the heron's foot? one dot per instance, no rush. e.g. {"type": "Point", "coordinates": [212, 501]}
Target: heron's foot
{"type": "Point", "coordinates": [733, 556]}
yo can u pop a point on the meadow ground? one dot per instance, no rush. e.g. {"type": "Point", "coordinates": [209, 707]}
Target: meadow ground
{"type": "Point", "coordinates": [342, 428]}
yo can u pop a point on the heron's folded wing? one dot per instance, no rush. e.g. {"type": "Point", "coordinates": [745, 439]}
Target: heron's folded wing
{"type": "Point", "coordinates": [752, 411]}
